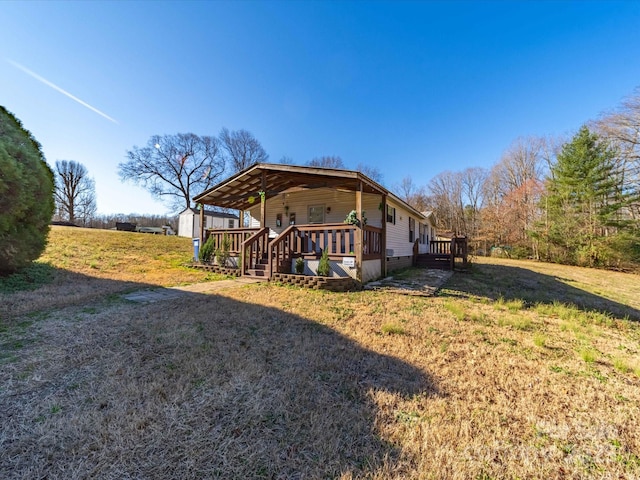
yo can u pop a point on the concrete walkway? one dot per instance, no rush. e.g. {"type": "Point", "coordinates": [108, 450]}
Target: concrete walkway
{"type": "Point", "coordinates": [422, 282]}
{"type": "Point", "coordinates": [150, 295]}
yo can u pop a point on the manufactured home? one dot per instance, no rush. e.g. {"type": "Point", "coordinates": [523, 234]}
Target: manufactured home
{"type": "Point", "coordinates": [297, 212]}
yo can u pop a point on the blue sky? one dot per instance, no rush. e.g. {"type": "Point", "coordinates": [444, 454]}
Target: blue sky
{"type": "Point", "coordinates": [412, 88]}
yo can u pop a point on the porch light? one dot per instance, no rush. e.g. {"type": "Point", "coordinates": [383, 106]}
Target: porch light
{"type": "Point", "coordinates": [328, 209]}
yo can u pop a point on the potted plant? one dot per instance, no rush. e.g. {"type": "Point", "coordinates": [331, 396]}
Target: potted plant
{"type": "Point", "coordinates": [352, 218]}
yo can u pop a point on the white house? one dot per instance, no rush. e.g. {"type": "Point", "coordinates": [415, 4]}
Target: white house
{"type": "Point", "coordinates": [189, 221]}
{"type": "Point", "coordinates": [299, 212]}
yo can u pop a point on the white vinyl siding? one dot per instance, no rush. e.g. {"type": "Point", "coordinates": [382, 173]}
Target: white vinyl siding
{"type": "Point", "coordinates": [338, 203]}
{"type": "Point", "coordinates": [398, 239]}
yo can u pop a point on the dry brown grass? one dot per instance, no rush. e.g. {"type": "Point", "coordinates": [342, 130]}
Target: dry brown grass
{"type": "Point", "coordinates": [122, 256]}
{"type": "Point", "coordinates": [488, 380]}
{"type": "Point", "coordinates": [87, 264]}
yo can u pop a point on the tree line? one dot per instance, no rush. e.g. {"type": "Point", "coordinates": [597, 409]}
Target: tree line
{"type": "Point", "coordinates": [569, 200]}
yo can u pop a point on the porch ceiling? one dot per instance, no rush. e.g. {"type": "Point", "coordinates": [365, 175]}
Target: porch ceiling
{"type": "Point", "coordinates": [238, 191]}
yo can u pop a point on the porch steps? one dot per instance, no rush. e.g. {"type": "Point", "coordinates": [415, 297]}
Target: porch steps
{"type": "Point", "coordinates": [260, 269]}
{"type": "Point", "coordinates": [436, 261]}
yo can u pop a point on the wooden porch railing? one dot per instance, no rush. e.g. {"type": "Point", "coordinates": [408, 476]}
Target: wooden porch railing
{"type": "Point", "coordinates": [236, 237]}
{"type": "Point", "coordinates": [297, 240]}
{"type": "Point", "coordinates": [312, 240]}
{"type": "Point", "coordinates": [455, 248]}
{"type": "Point", "coordinates": [440, 247]}
{"type": "Point", "coordinates": [254, 249]}
{"type": "Point", "coordinates": [371, 243]}
{"type": "Point", "coordinates": [281, 249]}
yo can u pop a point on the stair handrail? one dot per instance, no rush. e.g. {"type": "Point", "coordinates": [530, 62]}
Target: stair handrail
{"type": "Point", "coordinates": [248, 244]}
{"type": "Point", "coordinates": [278, 253]}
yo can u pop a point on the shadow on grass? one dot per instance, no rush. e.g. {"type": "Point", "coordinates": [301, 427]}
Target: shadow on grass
{"type": "Point", "coordinates": [30, 278]}
{"type": "Point", "coordinates": [200, 386]}
{"type": "Point", "coordinates": [512, 283]}
{"type": "Point", "coordinates": [42, 287]}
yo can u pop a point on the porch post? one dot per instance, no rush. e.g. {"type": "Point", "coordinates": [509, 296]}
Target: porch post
{"type": "Point", "coordinates": [201, 225]}
{"type": "Point", "coordinates": [358, 233]}
{"type": "Point", "coordinates": [241, 219]}
{"type": "Point", "coordinates": [263, 202]}
{"type": "Point", "coordinates": [383, 242]}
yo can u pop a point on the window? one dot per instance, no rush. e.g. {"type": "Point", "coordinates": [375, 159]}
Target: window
{"type": "Point", "coordinates": [412, 230]}
{"type": "Point", "coordinates": [391, 215]}
{"type": "Point", "coordinates": [230, 223]}
{"type": "Point", "coordinates": [316, 214]}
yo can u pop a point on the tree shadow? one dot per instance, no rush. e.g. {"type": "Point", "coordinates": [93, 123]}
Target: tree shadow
{"type": "Point", "coordinates": [199, 386]}
{"type": "Point", "coordinates": [43, 287]}
{"type": "Point", "coordinates": [511, 283]}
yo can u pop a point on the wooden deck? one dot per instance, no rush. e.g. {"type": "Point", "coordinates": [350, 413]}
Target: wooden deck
{"type": "Point", "coordinates": [443, 254]}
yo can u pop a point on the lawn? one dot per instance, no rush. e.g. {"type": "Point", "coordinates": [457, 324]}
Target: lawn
{"type": "Point", "coordinates": [81, 264]}
{"type": "Point", "coordinates": [515, 370]}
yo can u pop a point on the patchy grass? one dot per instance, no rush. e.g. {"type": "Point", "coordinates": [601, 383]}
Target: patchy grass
{"type": "Point", "coordinates": [539, 340]}
{"type": "Point", "coordinates": [81, 264]}
{"type": "Point", "coordinates": [122, 256]}
{"type": "Point", "coordinates": [264, 381]}
{"type": "Point", "coordinates": [588, 354]}
{"type": "Point", "coordinates": [393, 329]}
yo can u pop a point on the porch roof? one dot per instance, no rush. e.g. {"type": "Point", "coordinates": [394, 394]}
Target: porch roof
{"type": "Point", "coordinates": [238, 190]}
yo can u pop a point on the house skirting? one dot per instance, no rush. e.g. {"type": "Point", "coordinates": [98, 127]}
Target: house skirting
{"type": "Point", "coordinates": [398, 263]}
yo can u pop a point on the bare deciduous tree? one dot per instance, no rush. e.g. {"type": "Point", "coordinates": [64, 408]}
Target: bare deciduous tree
{"type": "Point", "coordinates": [473, 180]}
{"type": "Point", "coordinates": [513, 191]}
{"type": "Point", "coordinates": [406, 188]}
{"type": "Point", "coordinates": [521, 162]}
{"type": "Point", "coordinates": [175, 167]}
{"type": "Point", "coordinates": [286, 160]}
{"type": "Point", "coordinates": [241, 149]}
{"type": "Point", "coordinates": [75, 192]}
{"type": "Point", "coordinates": [621, 128]}
{"type": "Point", "coordinates": [372, 172]}
{"type": "Point", "coordinates": [446, 192]}
{"type": "Point", "coordinates": [413, 194]}
{"type": "Point", "coordinates": [327, 161]}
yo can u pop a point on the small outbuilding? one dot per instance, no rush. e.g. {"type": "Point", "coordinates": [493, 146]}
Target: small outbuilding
{"type": "Point", "coordinates": [189, 221]}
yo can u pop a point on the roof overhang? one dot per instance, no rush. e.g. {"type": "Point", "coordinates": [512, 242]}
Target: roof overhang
{"type": "Point", "coordinates": [241, 191]}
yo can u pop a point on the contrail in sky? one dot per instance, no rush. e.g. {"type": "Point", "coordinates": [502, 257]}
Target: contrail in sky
{"type": "Point", "coordinates": [55, 87]}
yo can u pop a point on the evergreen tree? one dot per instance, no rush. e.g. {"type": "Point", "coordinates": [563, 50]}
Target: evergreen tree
{"type": "Point", "coordinates": [584, 201]}
{"type": "Point", "coordinates": [26, 195]}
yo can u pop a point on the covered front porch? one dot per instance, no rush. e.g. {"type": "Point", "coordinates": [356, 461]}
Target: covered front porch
{"type": "Point", "coordinates": [294, 214]}
{"type": "Point", "coordinates": [258, 254]}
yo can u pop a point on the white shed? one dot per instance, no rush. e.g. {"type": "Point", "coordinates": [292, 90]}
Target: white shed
{"type": "Point", "coordinates": [189, 221]}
